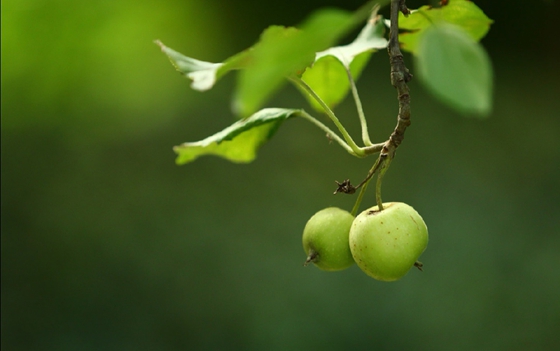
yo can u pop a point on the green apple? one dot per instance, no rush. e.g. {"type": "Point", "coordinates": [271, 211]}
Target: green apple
{"type": "Point", "coordinates": [386, 244]}
{"type": "Point", "coordinates": [325, 239]}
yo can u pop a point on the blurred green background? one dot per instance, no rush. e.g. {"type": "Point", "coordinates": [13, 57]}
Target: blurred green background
{"type": "Point", "coordinates": [108, 245]}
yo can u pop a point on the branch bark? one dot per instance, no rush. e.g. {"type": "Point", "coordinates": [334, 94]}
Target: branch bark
{"type": "Point", "coordinates": [400, 76]}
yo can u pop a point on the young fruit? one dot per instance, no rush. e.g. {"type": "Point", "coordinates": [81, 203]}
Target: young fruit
{"type": "Point", "coordinates": [325, 239]}
{"type": "Point", "coordinates": [386, 244]}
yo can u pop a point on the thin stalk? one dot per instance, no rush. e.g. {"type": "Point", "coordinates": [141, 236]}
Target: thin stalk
{"type": "Point", "coordinates": [327, 130]}
{"type": "Point", "coordinates": [358, 102]}
{"type": "Point", "coordinates": [374, 148]}
{"type": "Point", "coordinates": [363, 186]}
{"type": "Point", "coordinates": [359, 199]}
{"type": "Point", "coordinates": [380, 175]}
{"type": "Point", "coordinates": [357, 150]}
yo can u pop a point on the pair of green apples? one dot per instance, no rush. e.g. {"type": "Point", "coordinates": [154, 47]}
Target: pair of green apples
{"type": "Point", "coordinates": [384, 244]}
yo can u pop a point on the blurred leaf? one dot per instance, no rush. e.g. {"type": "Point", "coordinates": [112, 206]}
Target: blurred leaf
{"type": "Point", "coordinates": [328, 76]}
{"type": "Point", "coordinates": [279, 53]}
{"type": "Point", "coordinates": [284, 54]}
{"type": "Point", "coordinates": [238, 142]}
{"type": "Point", "coordinates": [462, 13]}
{"type": "Point", "coordinates": [456, 69]}
{"type": "Point", "coordinates": [203, 74]}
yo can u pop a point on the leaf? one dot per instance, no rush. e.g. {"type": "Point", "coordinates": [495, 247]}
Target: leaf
{"type": "Point", "coordinates": [238, 142]}
{"type": "Point", "coordinates": [203, 74]}
{"type": "Point", "coordinates": [456, 69]}
{"type": "Point", "coordinates": [328, 76]}
{"type": "Point", "coordinates": [462, 13]}
{"type": "Point", "coordinates": [283, 54]}
{"type": "Point", "coordinates": [279, 53]}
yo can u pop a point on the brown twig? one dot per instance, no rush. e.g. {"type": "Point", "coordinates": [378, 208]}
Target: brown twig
{"type": "Point", "coordinates": [400, 76]}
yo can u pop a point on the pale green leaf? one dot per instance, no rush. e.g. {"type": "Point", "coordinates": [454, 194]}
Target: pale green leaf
{"type": "Point", "coordinates": [462, 13]}
{"type": "Point", "coordinates": [288, 52]}
{"type": "Point", "coordinates": [328, 76]}
{"type": "Point", "coordinates": [240, 141]}
{"type": "Point", "coordinates": [279, 53]}
{"type": "Point", "coordinates": [203, 74]}
{"type": "Point", "coordinates": [456, 69]}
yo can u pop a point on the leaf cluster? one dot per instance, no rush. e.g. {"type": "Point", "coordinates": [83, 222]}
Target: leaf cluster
{"type": "Point", "coordinates": [444, 41]}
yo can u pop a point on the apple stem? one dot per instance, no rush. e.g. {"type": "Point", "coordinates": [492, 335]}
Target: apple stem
{"type": "Point", "coordinates": [358, 200]}
{"type": "Point", "coordinates": [384, 168]}
{"type": "Point", "coordinates": [311, 258]}
{"type": "Point", "coordinates": [347, 188]}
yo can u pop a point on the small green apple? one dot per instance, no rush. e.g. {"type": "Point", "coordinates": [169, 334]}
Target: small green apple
{"type": "Point", "coordinates": [386, 244]}
{"type": "Point", "coordinates": [325, 239]}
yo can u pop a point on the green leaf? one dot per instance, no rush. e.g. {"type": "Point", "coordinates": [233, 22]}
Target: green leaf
{"type": "Point", "coordinates": [462, 13]}
{"type": "Point", "coordinates": [456, 69]}
{"type": "Point", "coordinates": [279, 53]}
{"type": "Point", "coordinates": [328, 76]}
{"type": "Point", "coordinates": [238, 142]}
{"type": "Point", "coordinates": [203, 74]}
{"type": "Point", "coordinates": [286, 52]}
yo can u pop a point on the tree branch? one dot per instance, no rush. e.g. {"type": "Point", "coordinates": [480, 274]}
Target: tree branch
{"type": "Point", "coordinates": [399, 77]}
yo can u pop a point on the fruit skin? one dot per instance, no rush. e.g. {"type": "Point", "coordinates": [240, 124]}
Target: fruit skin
{"type": "Point", "coordinates": [386, 244]}
{"type": "Point", "coordinates": [325, 239]}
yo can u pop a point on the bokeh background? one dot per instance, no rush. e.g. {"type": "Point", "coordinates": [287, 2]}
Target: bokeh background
{"type": "Point", "coordinates": [108, 245]}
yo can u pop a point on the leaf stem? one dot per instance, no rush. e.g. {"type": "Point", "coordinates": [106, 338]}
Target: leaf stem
{"type": "Point", "coordinates": [351, 143]}
{"type": "Point", "coordinates": [358, 102]}
{"type": "Point", "coordinates": [327, 130]}
{"type": "Point", "coordinates": [374, 148]}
